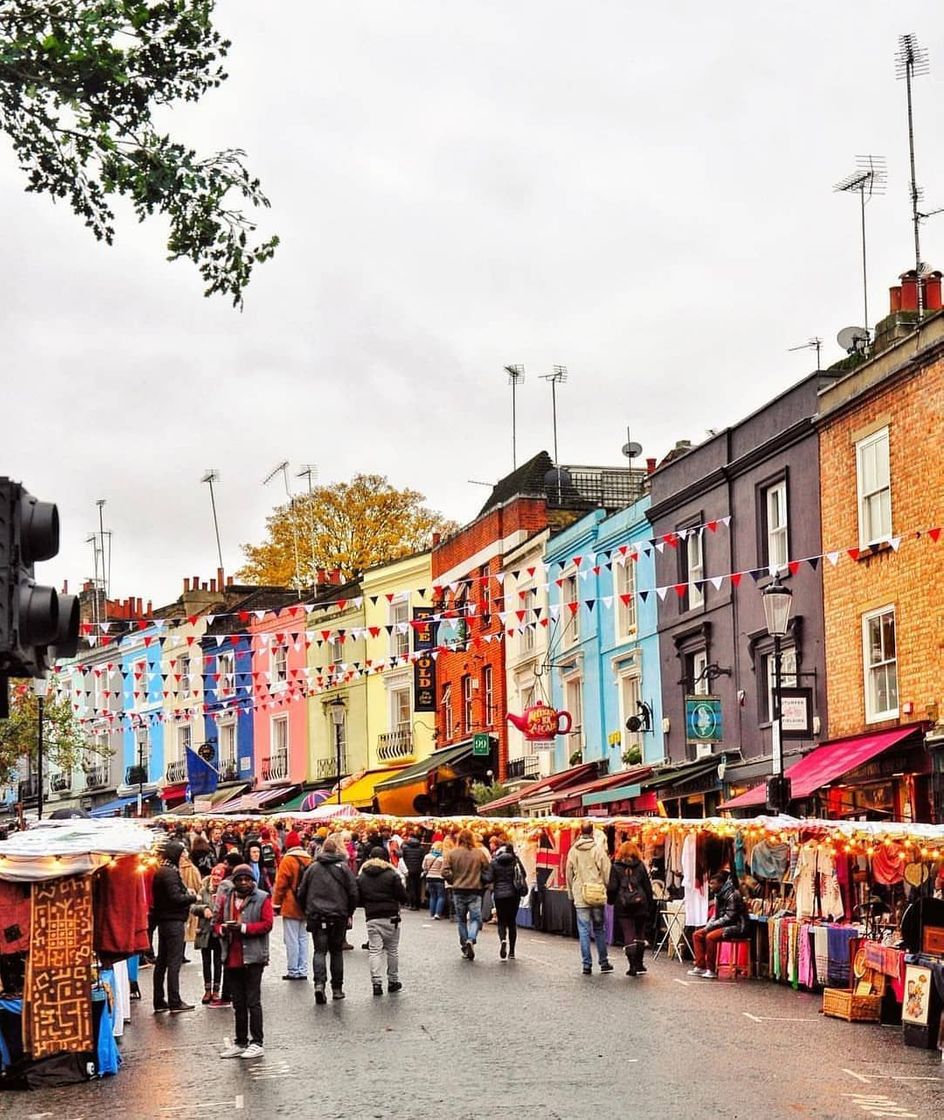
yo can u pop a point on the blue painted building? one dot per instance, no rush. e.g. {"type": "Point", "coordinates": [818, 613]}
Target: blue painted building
{"type": "Point", "coordinates": [228, 703]}
{"type": "Point", "coordinates": [142, 705]}
{"type": "Point", "coordinates": [603, 636]}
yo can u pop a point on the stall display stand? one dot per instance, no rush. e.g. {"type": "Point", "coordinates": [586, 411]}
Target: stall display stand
{"type": "Point", "coordinates": [671, 914]}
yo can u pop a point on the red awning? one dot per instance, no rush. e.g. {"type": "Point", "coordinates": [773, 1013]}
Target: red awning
{"type": "Point", "coordinates": [174, 794]}
{"type": "Point", "coordinates": [574, 795]}
{"type": "Point", "coordinates": [542, 785]}
{"type": "Point", "coordinates": [825, 765]}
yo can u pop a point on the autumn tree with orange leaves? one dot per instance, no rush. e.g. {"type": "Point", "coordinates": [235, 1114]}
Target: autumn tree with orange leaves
{"type": "Point", "coordinates": [351, 526]}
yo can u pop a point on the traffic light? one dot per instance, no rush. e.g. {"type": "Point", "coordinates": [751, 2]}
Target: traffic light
{"type": "Point", "coordinates": [36, 624]}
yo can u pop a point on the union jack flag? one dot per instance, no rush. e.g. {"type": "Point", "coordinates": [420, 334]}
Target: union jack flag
{"type": "Point", "coordinates": [551, 859]}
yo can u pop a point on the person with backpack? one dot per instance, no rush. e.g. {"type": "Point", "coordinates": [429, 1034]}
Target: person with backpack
{"type": "Point", "coordinates": [382, 893]}
{"type": "Point", "coordinates": [287, 881]}
{"type": "Point", "coordinates": [328, 895]}
{"type": "Point", "coordinates": [509, 886]}
{"type": "Point", "coordinates": [630, 893]}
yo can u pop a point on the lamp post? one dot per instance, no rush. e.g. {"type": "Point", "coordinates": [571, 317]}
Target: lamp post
{"type": "Point", "coordinates": [140, 778]}
{"type": "Point", "coordinates": [40, 687]}
{"type": "Point", "coordinates": [778, 601]}
{"type": "Point", "coordinates": [336, 707]}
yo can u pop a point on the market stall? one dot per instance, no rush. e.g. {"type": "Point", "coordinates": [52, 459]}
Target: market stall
{"type": "Point", "coordinates": [72, 911]}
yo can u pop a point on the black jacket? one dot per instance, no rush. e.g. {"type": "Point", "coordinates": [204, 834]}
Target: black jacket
{"type": "Point", "coordinates": [328, 888]}
{"type": "Point", "coordinates": [381, 889]}
{"type": "Point", "coordinates": [503, 875]}
{"type": "Point", "coordinates": [626, 878]}
{"type": "Point", "coordinates": [730, 911]}
{"type": "Point", "coordinates": [413, 853]}
{"type": "Point", "coordinates": [170, 899]}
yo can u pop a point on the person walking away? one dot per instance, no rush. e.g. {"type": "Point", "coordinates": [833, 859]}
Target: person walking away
{"type": "Point", "coordinates": [381, 893]}
{"type": "Point", "coordinates": [509, 884]}
{"type": "Point", "coordinates": [271, 852]}
{"type": "Point", "coordinates": [412, 855]}
{"type": "Point", "coordinates": [170, 906]}
{"type": "Point", "coordinates": [287, 881]}
{"type": "Point", "coordinates": [243, 921]}
{"type": "Point", "coordinates": [730, 922]}
{"type": "Point", "coordinates": [193, 881]}
{"type": "Point", "coordinates": [202, 855]}
{"type": "Point", "coordinates": [328, 895]}
{"type": "Point", "coordinates": [630, 892]}
{"type": "Point", "coordinates": [468, 869]}
{"type": "Point", "coordinates": [211, 949]}
{"type": "Point", "coordinates": [435, 888]}
{"type": "Point", "coordinates": [588, 873]}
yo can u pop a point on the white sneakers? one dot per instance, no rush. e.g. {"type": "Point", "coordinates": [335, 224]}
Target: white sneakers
{"type": "Point", "coordinates": [704, 973]}
{"type": "Point", "coordinates": [696, 972]}
{"type": "Point", "coordinates": [234, 1050]}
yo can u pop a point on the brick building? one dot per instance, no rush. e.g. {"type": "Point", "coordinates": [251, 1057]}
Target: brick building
{"type": "Point", "coordinates": [882, 499]}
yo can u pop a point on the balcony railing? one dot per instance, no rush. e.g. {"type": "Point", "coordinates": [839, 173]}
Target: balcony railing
{"type": "Point", "coordinates": [96, 776]}
{"type": "Point", "coordinates": [328, 767]}
{"type": "Point", "coordinates": [229, 770]}
{"type": "Point", "coordinates": [526, 767]}
{"type": "Point", "coordinates": [176, 772]}
{"type": "Point", "coordinates": [394, 745]}
{"type": "Point", "coordinates": [60, 783]}
{"type": "Point", "coordinates": [275, 767]}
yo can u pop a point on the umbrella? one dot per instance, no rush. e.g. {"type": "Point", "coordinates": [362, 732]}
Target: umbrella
{"type": "Point", "coordinates": [69, 814]}
{"type": "Point", "coordinates": [314, 799]}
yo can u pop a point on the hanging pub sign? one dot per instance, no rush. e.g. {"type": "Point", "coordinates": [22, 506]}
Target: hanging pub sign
{"type": "Point", "coordinates": [796, 713]}
{"type": "Point", "coordinates": [424, 667]}
{"type": "Point", "coordinates": [703, 719]}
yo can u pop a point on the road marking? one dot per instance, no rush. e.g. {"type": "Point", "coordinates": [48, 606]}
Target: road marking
{"type": "Point", "coordinates": [869, 1078]}
{"type": "Point", "coordinates": [857, 1076]}
{"type": "Point", "coordinates": [880, 1106]}
{"type": "Point", "coordinates": [236, 1103]}
{"type": "Point", "coordinates": [678, 981]}
{"type": "Point", "coordinates": [777, 1019]}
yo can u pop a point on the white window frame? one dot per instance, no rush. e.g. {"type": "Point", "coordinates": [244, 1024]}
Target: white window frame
{"type": "Point", "coordinates": [695, 567]}
{"type": "Point", "coordinates": [183, 669]}
{"type": "Point", "coordinates": [702, 686]}
{"type": "Point", "coordinates": [573, 703]}
{"type": "Point", "coordinates": [777, 523]}
{"type": "Point", "coordinates": [335, 651]}
{"type": "Point", "coordinates": [627, 614]}
{"type": "Point", "coordinates": [630, 691]}
{"type": "Point", "coordinates": [397, 721]}
{"type": "Point", "coordinates": [873, 666]}
{"type": "Point", "coordinates": [872, 493]}
{"type": "Point", "coordinates": [788, 674]}
{"type": "Point", "coordinates": [226, 669]}
{"type": "Point", "coordinates": [280, 664]}
{"type": "Point", "coordinates": [400, 632]}
{"type": "Point", "coordinates": [488, 694]}
{"type": "Point", "coordinates": [449, 724]}
{"type": "Point", "coordinates": [140, 685]}
{"type": "Point", "coordinates": [468, 704]}
{"type": "Point", "coordinates": [570, 621]}
{"type": "Point", "coordinates": [184, 739]}
{"type": "Point", "coordinates": [276, 725]}
{"type": "Point", "coordinates": [227, 743]}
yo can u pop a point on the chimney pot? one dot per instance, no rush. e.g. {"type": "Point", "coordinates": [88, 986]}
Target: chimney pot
{"type": "Point", "coordinates": [650, 466]}
{"type": "Point", "coordinates": [213, 585]}
{"type": "Point", "coordinates": [220, 582]}
{"type": "Point", "coordinates": [203, 587]}
{"type": "Point", "coordinates": [186, 584]}
{"type": "Point", "coordinates": [229, 581]}
{"type": "Point", "coordinates": [65, 587]}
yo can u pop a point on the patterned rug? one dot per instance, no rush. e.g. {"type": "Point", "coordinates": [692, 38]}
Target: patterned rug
{"type": "Point", "coordinates": [57, 1011]}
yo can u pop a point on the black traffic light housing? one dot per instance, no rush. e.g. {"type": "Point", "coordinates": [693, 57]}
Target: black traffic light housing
{"type": "Point", "coordinates": [37, 625]}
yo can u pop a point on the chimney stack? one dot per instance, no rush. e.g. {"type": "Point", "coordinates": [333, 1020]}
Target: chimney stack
{"type": "Point", "coordinates": [186, 584]}
{"type": "Point", "coordinates": [220, 582]}
{"type": "Point", "coordinates": [650, 466]}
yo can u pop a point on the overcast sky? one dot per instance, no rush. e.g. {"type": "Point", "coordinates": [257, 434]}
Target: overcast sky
{"type": "Point", "coordinates": [642, 193]}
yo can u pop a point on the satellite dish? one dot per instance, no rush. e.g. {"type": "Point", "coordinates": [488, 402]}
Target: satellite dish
{"type": "Point", "coordinates": [853, 339]}
{"type": "Point", "coordinates": [632, 450]}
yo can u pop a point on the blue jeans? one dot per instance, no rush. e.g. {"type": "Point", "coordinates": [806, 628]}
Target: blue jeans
{"type": "Point", "coordinates": [296, 946]}
{"type": "Point", "coordinates": [468, 906]}
{"type": "Point", "coordinates": [436, 892]}
{"type": "Point", "coordinates": [588, 917]}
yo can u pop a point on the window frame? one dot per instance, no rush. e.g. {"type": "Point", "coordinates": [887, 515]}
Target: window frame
{"type": "Point", "coordinates": [570, 620]}
{"type": "Point", "coordinates": [866, 536]}
{"type": "Point", "coordinates": [399, 645]}
{"type": "Point", "coordinates": [396, 708]}
{"type": "Point", "coordinates": [468, 704]}
{"type": "Point", "coordinates": [625, 584]}
{"type": "Point", "coordinates": [873, 714]}
{"type": "Point", "coordinates": [226, 684]}
{"type": "Point", "coordinates": [789, 678]}
{"type": "Point", "coordinates": [279, 664]}
{"type": "Point", "coordinates": [782, 531]}
{"type": "Point", "coordinates": [278, 721]}
{"type": "Point", "coordinates": [694, 594]}
{"type": "Point", "coordinates": [488, 694]}
{"type": "Point", "coordinates": [449, 723]}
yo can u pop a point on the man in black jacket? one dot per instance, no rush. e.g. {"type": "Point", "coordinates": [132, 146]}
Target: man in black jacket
{"type": "Point", "coordinates": [170, 907]}
{"type": "Point", "coordinates": [413, 853]}
{"type": "Point", "coordinates": [328, 895]}
{"type": "Point", "coordinates": [382, 893]}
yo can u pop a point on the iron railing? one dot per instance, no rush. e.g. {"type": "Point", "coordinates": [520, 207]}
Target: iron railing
{"type": "Point", "coordinates": [176, 772]}
{"type": "Point", "coordinates": [395, 745]}
{"type": "Point", "coordinates": [275, 766]}
{"type": "Point", "coordinates": [328, 767]}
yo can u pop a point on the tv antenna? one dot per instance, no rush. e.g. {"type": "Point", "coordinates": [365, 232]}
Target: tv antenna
{"type": "Point", "coordinates": [310, 471]}
{"type": "Point", "coordinates": [209, 478]}
{"type": "Point", "coordinates": [515, 378]}
{"type": "Point", "coordinates": [868, 179]}
{"type": "Point", "coordinates": [282, 469]}
{"type": "Point", "coordinates": [853, 339]}
{"type": "Point", "coordinates": [558, 377]}
{"type": "Point", "coordinates": [813, 344]}
{"type": "Point", "coordinates": [910, 62]}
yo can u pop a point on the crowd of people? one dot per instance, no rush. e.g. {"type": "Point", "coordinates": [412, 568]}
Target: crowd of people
{"type": "Point", "coordinates": [220, 890]}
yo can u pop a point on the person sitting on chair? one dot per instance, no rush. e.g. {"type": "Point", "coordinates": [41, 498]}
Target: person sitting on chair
{"type": "Point", "coordinates": [728, 924]}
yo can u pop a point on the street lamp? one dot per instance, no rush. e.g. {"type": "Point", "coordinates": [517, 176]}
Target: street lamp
{"type": "Point", "coordinates": [778, 601]}
{"type": "Point", "coordinates": [336, 708]}
{"type": "Point", "coordinates": [40, 687]}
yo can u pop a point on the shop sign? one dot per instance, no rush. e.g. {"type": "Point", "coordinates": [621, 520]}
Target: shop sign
{"type": "Point", "coordinates": [481, 745]}
{"type": "Point", "coordinates": [424, 667]}
{"type": "Point", "coordinates": [796, 713]}
{"type": "Point", "coordinates": [703, 719]}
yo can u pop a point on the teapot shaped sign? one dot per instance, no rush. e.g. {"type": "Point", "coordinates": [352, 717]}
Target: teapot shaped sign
{"type": "Point", "coordinates": [541, 721]}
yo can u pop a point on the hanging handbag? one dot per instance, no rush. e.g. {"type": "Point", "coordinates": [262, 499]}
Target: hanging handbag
{"type": "Point", "coordinates": [521, 879]}
{"type": "Point", "coordinates": [594, 894]}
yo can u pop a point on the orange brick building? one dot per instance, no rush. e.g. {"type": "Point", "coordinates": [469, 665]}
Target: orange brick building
{"type": "Point", "coordinates": [882, 501]}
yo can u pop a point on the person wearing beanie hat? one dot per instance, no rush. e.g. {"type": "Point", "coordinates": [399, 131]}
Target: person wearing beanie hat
{"type": "Point", "coordinates": [287, 880]}
{"type": "Point", "coordinates": [170, 909]}
{"type": "Point", "coordinates": [242, 919]}
{"type": "Point", "coordinates": [381, 892]}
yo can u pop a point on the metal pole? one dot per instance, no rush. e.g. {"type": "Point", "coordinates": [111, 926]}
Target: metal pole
{"type": "Point", "coordinates": [554, 411]}
{"type": "Point", "coordinates": [777, 720]}
{"type": "Point", "coordinates": [39, 761]}
{"type": "Point", "coordinates": [101, 529]}
{"type": "Point", "coordinates": [140, 779]}
{"type": "Point", "coordinates": [865, 275]}
{"type": "Point", "coordinates": [514, 426]}
{"type": "Point", "coordinates": [216, 525]}
{"type": "Point", "coordinates": [337, 753]}
{"type": "Point", "coordinates": [915, 216]}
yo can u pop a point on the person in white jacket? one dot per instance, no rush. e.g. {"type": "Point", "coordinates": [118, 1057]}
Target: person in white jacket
{"type": "Point", "coordinates": [588, 872]}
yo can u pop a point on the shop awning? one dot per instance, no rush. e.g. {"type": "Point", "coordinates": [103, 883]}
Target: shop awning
{"type": "Point", "coordinates": [575, 797]}
{"type": "Point", "coordinates": [448, 756]}
{"type": "Point", "coordinates": [824, 765]}
{"type": "Point", "coordinates": [260, 799]}
{"type": "Point", "coordinates": [174, 794]}
{"type": "Point", "coordinates": [111, 808]}
{"type": "Point", "coordinates": [572, 776]}
{"type": "Point", "coordinates": [360, 792]}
